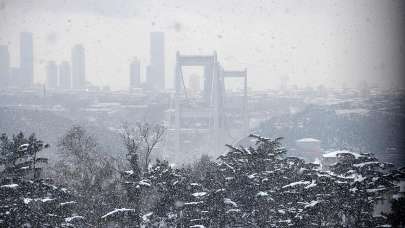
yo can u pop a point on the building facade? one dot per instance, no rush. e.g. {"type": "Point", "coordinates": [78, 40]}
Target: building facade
{"type": "Point", "coordinates": [65, 77]}
{"type": "Point", "coordinates": [78, 67]}
{"type": "Point", "coordinates": [26, 59]}
{"type": "Point", "coordinates": [135, 74]}
{"type": "Point", "coordinates": [4, 66]}
{"type": "Point", "coordinates": [51, 75]}
{"type": "Point", "coordinates": [155, 77]}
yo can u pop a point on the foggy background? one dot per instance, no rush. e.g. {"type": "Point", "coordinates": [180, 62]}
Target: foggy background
{"type": "Point", "coordinates": [333, 43]}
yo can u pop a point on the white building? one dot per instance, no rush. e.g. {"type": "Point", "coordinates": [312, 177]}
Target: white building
{"type": "Point", "coordinates": [309, 148]}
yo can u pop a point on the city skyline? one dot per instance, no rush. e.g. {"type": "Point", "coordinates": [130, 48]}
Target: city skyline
{"type": "Point", "coordinates": [272, 40]}
{"type": "Point", "coordinates": [153, 77]}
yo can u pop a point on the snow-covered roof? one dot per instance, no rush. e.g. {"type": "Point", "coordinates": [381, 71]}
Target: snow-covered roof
{"type": "Point", "coordinates": [334, 154]}
{"type": "Point", "coordinates": [308, 140]}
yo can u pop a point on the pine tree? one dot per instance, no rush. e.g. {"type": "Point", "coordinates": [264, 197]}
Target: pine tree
{"type": "Point", "coordinates": [26, 199]}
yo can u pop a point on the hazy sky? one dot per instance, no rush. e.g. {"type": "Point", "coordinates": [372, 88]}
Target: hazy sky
{"type": "Point", "coordinates": [310, 42]}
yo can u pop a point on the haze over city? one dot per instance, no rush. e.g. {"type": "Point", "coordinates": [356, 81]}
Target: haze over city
{"type": "Point", "coordinates": [274, 39]}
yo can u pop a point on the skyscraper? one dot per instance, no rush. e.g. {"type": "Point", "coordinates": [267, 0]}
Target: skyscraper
{"type": "Point", "coordinates": [16, 77]}
{"type": "Point", "coordinates": [4, 66]}
{"type": "Point", "coordinates": [65, 78]}
{"type": "Point", "coordinates": [26, 59]}
{"type": "Point", "coordinates": [52, 75]}
{"type": "Point", "coordinates": [135, 74]}
{"type": "Point", "coordinates": [155, 77]}
{"type": "Point", "coordinates": [78, 67]}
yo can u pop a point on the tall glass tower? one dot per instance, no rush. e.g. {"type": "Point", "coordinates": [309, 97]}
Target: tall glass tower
{"type": "Point", "coordinates": [78, 67]}
{"type": "Point", "coordinates": [26, 59]}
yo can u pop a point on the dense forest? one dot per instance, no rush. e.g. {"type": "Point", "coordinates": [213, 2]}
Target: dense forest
{"type": "Point", "coordinates": [258, 186]}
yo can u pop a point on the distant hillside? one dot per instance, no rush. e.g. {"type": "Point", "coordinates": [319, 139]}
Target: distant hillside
{"type": "Point", "coordinates": [379, 132]}
{"type": "Point", "coordinates": [49, 126]}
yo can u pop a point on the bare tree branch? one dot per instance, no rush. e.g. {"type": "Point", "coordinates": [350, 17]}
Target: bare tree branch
{"type": "Point", "coordinates": [141, 142]}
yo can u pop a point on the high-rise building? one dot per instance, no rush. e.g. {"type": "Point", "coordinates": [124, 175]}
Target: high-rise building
{"type": "Point", "coordinates": [4, 66]}
{"type": "Point", "coordinates": [65, 78]}
{"type": "Point", "coordinates": [52, 75]}
{"type": "Point", "coordinates": [78, 67]}
{"type": "Point", "coordinates": [155, 77]}
{"type": "Point", "coordinates": [26, 59]}
{"type": "Point", "coordinates": [16, 77]}
{"type": "Point", "coordinates": [135, 74]}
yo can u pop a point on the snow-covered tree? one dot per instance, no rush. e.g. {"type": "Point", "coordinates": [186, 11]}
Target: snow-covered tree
{"type": "Point", "coordinates": [26, 199]}
{"type": "Point", "coordinates": [90, 174]}
{"type": "Point", "coordinates": [140, 143]}
{"type": "Point", "coordinates": [265, 188]}
{"type": "Point", "coordinates": [367, 179]}
{"type": "Point", "coordinates": [260, 186]}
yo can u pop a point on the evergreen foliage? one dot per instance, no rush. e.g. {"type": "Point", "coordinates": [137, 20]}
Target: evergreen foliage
{"type": "Point", "coordinates": [26, 199]}
{"type": "Point", "coordinates": [256, 186]}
